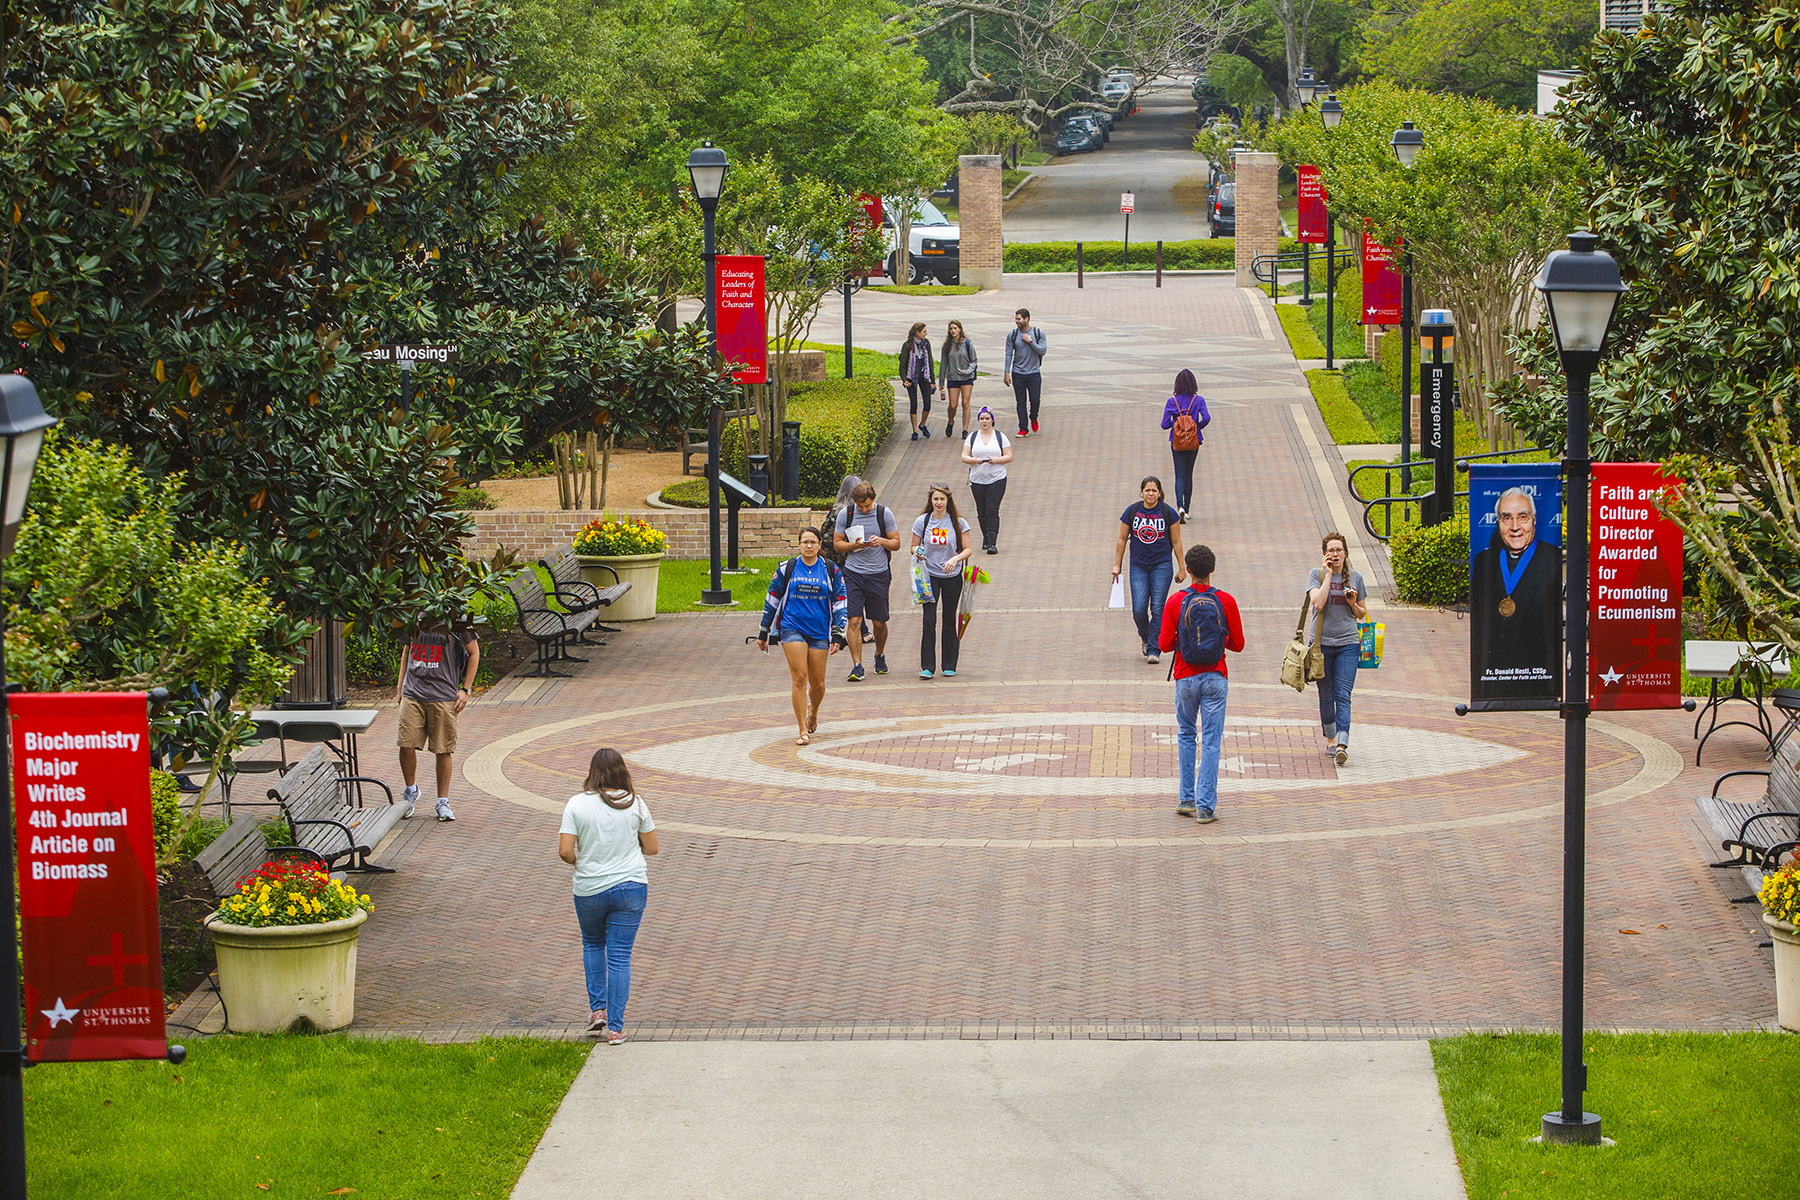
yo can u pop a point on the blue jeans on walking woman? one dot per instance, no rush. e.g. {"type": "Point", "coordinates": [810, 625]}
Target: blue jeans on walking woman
{"type": "Point", "coordinates": [1334, 691]}
{"type": "Point", "coordinates": [1149, 590]}
{"type": "Point", "coordinates": [1200, 698]}
{"type": "Point", "coordinates": [609, 927]}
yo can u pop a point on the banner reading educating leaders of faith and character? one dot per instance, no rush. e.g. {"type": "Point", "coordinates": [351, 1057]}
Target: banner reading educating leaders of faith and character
{"type": "Point", "coordinates": [743, 316]}
{"type": "Point", "coordinates": [87, 876]}
{"type": "Point", "coordinates": [1634, 591]}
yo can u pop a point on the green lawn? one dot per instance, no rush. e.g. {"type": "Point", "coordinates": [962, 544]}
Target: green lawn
{"type": "Point", "coordinates": [1694, 1116]}
{"type": "Point", "coordinates": [868, 364]}
{"type": "Point", "coordinates": [920, 289]}
{"type": "Point", "coordinates": [681, 580]}
{"type": "Point", "coordinates": [1300, 335]}
{"type": "Point", "coordinates": [1343, 419]}
{"type": "Point", "coordinates": [297, 1116]}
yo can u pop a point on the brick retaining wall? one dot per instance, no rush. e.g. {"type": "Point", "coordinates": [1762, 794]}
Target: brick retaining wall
{"type": "Point", "coordinates": [762, 532]}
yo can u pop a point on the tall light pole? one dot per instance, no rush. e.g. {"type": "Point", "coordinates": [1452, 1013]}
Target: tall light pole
{"type": "Point", "coordinates": [1332, 114]}
{"type": "Point", "coordinates": [1407, 143]}
{"type": "Point", "coordinates": [23, 422]}
{"type": "Point", "coordinates": [706, 169]}
{"type": "Point", "coordinates": [1581, 288]}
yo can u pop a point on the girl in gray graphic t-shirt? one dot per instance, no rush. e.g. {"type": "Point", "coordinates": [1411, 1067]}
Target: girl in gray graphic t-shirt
{"type": "Point", "coordinates": [1336, 594]}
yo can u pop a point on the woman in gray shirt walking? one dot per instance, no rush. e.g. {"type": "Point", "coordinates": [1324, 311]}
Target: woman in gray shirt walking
{"type": "Point", "coordinates": [957, 373]}
{"type": "Point", "coordinates": [1336, 593]}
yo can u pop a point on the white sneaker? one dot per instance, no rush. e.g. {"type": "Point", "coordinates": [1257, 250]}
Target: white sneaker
{"type": "Point", "coordinates": [443, 810]}
{"type": "Point", "coordinates": [409, 796]}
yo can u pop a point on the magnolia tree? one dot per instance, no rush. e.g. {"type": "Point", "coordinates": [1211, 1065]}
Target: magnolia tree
{"type": "Point", "coordinates": [1491, 194]}
{"type": "Point", "coordinates": [1693, 121]}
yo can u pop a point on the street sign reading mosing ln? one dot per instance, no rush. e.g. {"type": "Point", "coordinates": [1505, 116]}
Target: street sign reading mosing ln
{"type": "Point", "coordinates": [406, 356]}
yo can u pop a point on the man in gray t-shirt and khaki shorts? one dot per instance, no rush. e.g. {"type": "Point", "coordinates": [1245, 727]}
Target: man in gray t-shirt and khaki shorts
{"type": "Point", "coordinates": [866, 536]}
{"type": "Point", "coordinates": [436, 673]}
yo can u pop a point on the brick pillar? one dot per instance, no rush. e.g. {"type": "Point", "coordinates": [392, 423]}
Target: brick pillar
{"type": "Point", "coordinates": [978, 202]}
{"type": "Point", "coordinates": [1258, 213]}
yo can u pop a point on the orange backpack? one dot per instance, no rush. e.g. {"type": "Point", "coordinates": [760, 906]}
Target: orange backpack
{"type": "Point", "coordinates": [1186, 433]}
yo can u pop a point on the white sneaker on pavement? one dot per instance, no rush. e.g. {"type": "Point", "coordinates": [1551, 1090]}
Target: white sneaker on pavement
{"type": "Point", "coordinates": [443, 810]}
{"type": "Point", "coordinates": [409, 796]}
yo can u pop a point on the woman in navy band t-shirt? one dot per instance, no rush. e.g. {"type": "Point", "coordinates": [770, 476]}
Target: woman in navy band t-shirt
{"type": "Point", "coordinates": [1153, 532]}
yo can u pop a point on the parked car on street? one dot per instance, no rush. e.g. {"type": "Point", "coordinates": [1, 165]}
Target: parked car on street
{"type": "Point", "coordinates": [1094, 123]}
{"type": "Point", "coordinates": [1076, 139]}
{"type": "Point", "coordinates": [1221, 214]}
{"type": "Point", "coordinates": [934, 248]}
{"type": "Point", "coordinates": [1210, 102]}
{"type": "Point", "coordinates": [1116, 87]}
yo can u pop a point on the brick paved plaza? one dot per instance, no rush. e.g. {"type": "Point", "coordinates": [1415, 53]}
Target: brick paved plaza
{"type": "Point", "coordinates": [997, 854]}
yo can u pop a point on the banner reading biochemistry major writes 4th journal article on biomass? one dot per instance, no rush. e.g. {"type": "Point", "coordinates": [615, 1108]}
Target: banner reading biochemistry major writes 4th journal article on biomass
{"type": "Point", "coordinates": [87, 876]}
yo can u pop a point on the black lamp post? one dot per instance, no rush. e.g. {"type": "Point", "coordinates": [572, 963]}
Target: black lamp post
{"type": "Point", "coordinates": [1331, 112]}
{"type": "Point", "coordinates": [22, 425]}
{"type": "Point", "coordinates": [1581, 287]}
{"type": "Point", "coordinates": [1407, 143]}
{"type": "Point", "coordinates": [706, 168]}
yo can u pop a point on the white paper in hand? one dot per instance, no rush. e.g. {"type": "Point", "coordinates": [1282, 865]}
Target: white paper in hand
{"type": "Point", "coordinates": [1118, 594]}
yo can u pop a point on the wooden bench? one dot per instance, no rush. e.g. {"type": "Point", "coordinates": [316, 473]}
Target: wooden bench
{"type": "Point", "coordinates": [550, 629]}
{"type": "Point", "coordinates": [694, 441]}
{"type": "Point", "coordinates": [577, 594]}
{"type": "Point", "coordinates": [1757, 831]}
{"type": "Point", "coordinates": [328, 816]}
{"type": "Point", "coordinates": [241, 849]}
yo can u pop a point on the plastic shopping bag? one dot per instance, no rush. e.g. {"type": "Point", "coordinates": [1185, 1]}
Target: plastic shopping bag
{"type": "Point", "coordinates": [1118, 593]}
{"type": "Point", "coordinates": [1374, 637]}
{"type": "Point", "coordinates": [974, 579]}
{"type": "Point", "coordinates": [921, 582]}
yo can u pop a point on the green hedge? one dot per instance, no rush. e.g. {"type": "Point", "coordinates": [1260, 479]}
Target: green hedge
{"type": "Point", "coordinates": [1343, 420]}
{"type": "Point", "coordinates": [1300, 335]}
{"type": "Point", "coordinates": [842, 423]}
{"type": "Point", "coordinates": [1431, 562]}
{"type": "Point", "coordinates": [1200, 254]}
{"type": "Point", "coordinates": [1347, 333]}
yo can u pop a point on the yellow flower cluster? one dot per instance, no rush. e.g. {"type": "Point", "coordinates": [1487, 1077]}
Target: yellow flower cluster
{"type": "Point", "coordinates": [616, 535]}
{"type": "Point", "coordinates": [291, 894]}
{"type": "Point", "coordinates": [1780, 893]}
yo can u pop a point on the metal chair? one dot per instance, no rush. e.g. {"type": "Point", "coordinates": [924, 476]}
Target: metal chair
{"type": "Point", "coordinates": [266, 732]}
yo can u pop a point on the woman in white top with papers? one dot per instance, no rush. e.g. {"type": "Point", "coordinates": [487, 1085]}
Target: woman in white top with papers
{"type": "Point", "coordinates": [606, 832]}
{"type": "Point", "coordinates": [987, 451]}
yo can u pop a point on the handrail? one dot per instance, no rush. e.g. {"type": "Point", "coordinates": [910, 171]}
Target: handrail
{"type": "Point", "coordinates": [1262, 272]}
{"type": "Point", "coordinates": [1388, 500]}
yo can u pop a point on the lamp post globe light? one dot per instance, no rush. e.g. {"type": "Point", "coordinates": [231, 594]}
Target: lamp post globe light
{"type": "Point", "coordinates": [1306, 86]}
{"type": "Point", "coordinates": [1331, 111]}
{"type": "Point", "coordinates": [706, 169]}
{"type": "Point", "coordinates": [1581, 288]}
{"type": "Point", "coordinates": [1407, 143]}
{"type": "Point", "coordinates": [23, 423]}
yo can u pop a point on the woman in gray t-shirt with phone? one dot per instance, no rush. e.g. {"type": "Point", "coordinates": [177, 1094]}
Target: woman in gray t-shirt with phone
{"type": "Point", "coordinates": [1336, 594]}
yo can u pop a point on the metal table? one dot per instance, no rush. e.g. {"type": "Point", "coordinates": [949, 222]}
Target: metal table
{"type": "Point", "coordinates": [349, 723]}
{"type": "Point", "coordinates": [1714, 661]}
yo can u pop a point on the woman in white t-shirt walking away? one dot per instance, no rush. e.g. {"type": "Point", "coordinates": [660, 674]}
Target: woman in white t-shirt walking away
{"type": "Point", "coordinates": [941, 539]}
{"type": "Point", "coordinates": [606, 832]}
{"type": "Point", "coordinates": [987, 451]}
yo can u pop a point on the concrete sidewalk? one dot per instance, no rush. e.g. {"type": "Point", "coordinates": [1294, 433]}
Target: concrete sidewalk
{"type": "Point", "coordinates": [1082, 1120]}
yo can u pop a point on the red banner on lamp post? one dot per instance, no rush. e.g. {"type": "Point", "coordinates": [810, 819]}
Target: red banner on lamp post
{"type": "Point", "coordinates": [1380, 283]}
{"type": "Point", "coordinates": [1312, 216]}
{"type": "Point", "coordinates": [1634, 590]}
{"type": "Point", "coordinates": [743, 316]}
{"type": "Point", "coordinates": [87, 876]}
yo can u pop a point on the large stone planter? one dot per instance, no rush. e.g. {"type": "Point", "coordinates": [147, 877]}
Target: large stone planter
{"type": "Point", "coordinates": [1787, 972]}
{"type": "Point", "coordinates": [287, 978]}
{"type": "Point", "coordinates": [639, 570]}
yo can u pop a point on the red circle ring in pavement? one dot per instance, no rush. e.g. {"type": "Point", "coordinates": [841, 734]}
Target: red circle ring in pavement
{"type": "Point", "coordinates": [1412, 771]}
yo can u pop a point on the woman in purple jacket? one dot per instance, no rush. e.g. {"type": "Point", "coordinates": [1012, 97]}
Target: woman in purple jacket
{"type": "Point", "coordinates": [1184, 441]}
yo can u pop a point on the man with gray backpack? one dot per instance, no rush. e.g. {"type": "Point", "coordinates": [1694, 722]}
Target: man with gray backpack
{"type": "Point", "coordinates": [1200, 623]}
{"type": "Point", "coordinates": [864, 534]}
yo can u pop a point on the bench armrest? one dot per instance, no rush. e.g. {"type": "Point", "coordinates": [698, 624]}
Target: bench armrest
{"type": "Point", "coordinates": [1728, 775]}
{"type": "Point", "coordinates": [342, 828]}
{"type": "Point", "coordinates": [299, 852]}
{"type": "Point", "coordinates": [574, 601]}
{"type": "Point", "coordinates": [579, 585]}
{"type": "Point", "coordinates": [345, 781]}
{"type": "Point", "coordinates": [1764, 816]}
{"type": "Point", "coordinates": [607, 567]}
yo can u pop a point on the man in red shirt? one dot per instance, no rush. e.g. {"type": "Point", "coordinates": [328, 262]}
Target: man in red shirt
{"type": "Point", "coordinates": [1200, 688]}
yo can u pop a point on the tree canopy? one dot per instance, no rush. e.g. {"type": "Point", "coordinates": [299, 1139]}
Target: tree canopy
{"type": "Point", "coordinates": [1487, 48]}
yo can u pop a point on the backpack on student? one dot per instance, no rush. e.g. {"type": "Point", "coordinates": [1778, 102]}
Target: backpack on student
{"type": "Point", "coordinates": [1186, 433]}
{"type": "Point", "coordinates": [1200, 629]}
{"type": "Point", "coordinates": [784, 579]}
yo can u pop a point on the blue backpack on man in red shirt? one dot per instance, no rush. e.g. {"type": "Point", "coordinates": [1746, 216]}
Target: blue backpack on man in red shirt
{"type": "Point", "coordinates": [1200, 629]}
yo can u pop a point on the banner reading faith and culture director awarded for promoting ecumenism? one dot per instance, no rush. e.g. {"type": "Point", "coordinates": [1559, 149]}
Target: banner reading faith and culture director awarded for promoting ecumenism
{"type": "Point", "coordinates": [1634, 591]}
{"type": "Point", "coordinates": [87, 876]}
{"type": "Point", "coordinates": [1515, 585]}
